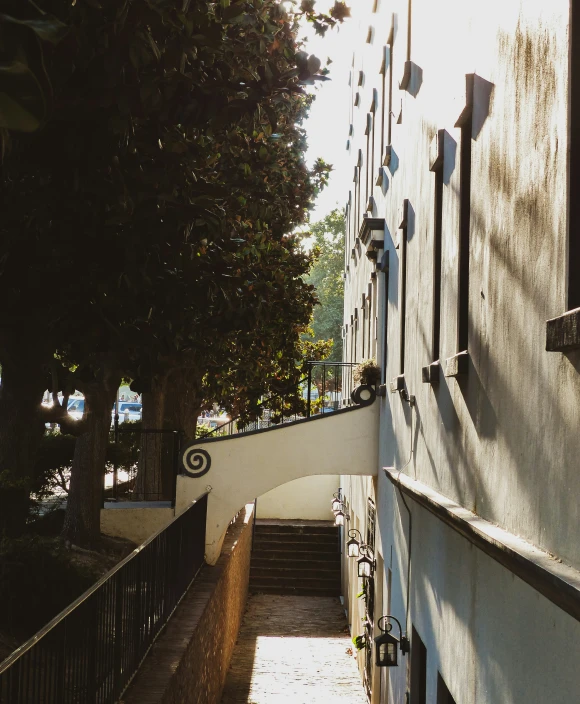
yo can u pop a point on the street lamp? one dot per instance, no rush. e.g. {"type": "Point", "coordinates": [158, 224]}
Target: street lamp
{"type": "Point", "coordinates": [353, 545]}
{"type": "Point", "coordinates": [366, 564]}
{"type": "Point", "coordinates": [386, 651]}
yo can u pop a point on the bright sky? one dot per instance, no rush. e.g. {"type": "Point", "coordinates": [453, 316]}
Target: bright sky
{"type": "Point", "coordinates": [327, 126]}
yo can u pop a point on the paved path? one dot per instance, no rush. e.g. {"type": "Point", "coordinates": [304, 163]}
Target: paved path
{"type": "Point", "coordinates": [293, 650]}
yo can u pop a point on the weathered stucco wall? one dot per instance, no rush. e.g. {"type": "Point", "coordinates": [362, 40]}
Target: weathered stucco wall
{"type": "Point", "coordinates": [307, 499]}
{"type": "Point", "coordinates": [136, 524]}
{"type": "Point", "coordinates": [498, 441]}
{"type": "Point", "coordinates": [189, 662]}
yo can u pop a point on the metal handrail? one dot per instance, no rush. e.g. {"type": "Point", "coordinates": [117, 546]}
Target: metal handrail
{"type": "Point", "coordinates": [305, 379]}
{"type": "Point", "coordinates": [132, 595]}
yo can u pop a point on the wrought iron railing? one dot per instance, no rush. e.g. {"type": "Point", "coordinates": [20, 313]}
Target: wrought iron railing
{"type": "Point", "coordinates": [146, 465]}
{"type": "Point", "coordinates": [90, 651]}
{"type": "Point", "coordinates": [326, 387]}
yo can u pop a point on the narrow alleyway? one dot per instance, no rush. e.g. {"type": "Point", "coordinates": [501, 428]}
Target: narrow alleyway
{"type": "Point", "coordinates": [293, 650]}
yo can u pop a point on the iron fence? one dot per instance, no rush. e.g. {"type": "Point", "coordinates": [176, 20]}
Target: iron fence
{"type": "Point", "coordinates": [326, 387]}
{"type": "Point", "coordinates": [145, 465]}
{"type": "Point", "coordinates": [90, 651]}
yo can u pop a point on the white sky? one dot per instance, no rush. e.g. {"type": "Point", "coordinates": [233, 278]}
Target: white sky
{"type": "Point", "coordinates": [327, 125]}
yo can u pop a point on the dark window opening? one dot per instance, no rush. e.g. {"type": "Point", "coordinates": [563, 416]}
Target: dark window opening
{"type": "Point", "coordinates": [385, 325]}
{"type": "Point", "coordinates": [403, 297]}
{"type": "Point", "coordinates": [464, 227]}
{"type": "Point", "coordinates": [364, 316]}
{"type": "Point", "coordinates": [574, 187]}
{"type": "Point", "coordinates": [443, 694]}
{"type": "Point", "coordinates": [418, 669]}
{"type": "Point", "coordinates": [372, 174]}
{"type": "Point", "coordinates": [437, 265]}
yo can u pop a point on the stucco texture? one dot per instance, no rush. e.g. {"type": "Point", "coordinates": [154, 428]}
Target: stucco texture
{"type": "Point", "coordinates": [502, 440]}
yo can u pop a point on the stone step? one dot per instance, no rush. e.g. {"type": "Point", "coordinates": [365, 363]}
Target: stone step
{"type": "Point", "coordinates": [295, 591]}
{"type": "Point", "coordinates": [309, 572]}
{"type": "Point", "coordinates": [319, 538]}
{"type": "Point", "coordinates": [285, 555]}
{"type": "Point", "coordinates": [295, 581]}
{"type": "Point", "coordinates": [261, 528]}
{"type": "Point", "coordinates": [294, 546]}
{"type": "Point", "coordinates": [295, 564]}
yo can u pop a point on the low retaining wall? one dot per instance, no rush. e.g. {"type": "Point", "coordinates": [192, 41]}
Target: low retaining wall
{"type": "Point", "coordinates": [136, 524]}
{"type": "Point", "coordinates": [189, 662]}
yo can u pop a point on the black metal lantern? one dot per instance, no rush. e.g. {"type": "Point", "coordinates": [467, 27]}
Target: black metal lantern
{"type": "Point", "coordinates": [353, 545]}
{"type": "Point", "coordinates": [366, 564]}
{"type": "Point", "coordinates": [340, 516]}
{"type": "Point", "coordinates": [387, 646]}
{"type": "Point", "coordinates": [337, 500]}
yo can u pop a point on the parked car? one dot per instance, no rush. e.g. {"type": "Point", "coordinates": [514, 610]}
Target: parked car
{"type": "Point", "coordinates": [76, 408]}
{"type": "Point", "coordinates": [128, 410]}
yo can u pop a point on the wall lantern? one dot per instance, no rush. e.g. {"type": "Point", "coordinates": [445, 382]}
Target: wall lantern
{"type": "Point", "coordinates": [340, 516]}
{"type": "Point", "coordinates": [386, 645]}
{"type": "Point", "coordinates": [337, 500]}
{"type": "Point", "coordinates": [353, 545]}
{"type": "Point", "coordinates": [366, 564]}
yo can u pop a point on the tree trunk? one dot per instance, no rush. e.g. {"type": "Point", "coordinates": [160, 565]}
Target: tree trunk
{"type": "Point", "coordinates": [82, 524]}
{"type": "Point", "coordinates": [184, 400]}
{"type": "Point", "coordinates": [182, 410]}
{"type": "Point", "coordinates": [149, 485]}
{"type": "Point", "coordinates": [21, 431]}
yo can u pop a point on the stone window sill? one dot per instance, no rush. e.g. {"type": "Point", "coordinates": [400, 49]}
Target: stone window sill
{"type": "Point", "coordinates": [398, 383]}
{"type": "Point", "coordinates": [563, 332]}
{"type": "Point", "coordinates": [457, 365]}
{"type": "Point", "coordinates": [430, 373]}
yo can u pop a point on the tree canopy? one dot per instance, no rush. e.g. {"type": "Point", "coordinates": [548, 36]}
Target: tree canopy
{"type": "Point", "coordinates": [326, 276]}
{"type": "Point", "coordinates": [146, 218]}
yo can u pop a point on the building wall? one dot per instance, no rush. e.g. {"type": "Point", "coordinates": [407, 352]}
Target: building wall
{"type": "Point", "coordinates": [306, 499]}
{"type": "Point", "coordinates": [498, 440]}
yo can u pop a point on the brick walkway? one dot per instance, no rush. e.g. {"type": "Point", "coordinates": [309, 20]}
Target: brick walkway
{"type": "Point", "coordinates": [293, 650]}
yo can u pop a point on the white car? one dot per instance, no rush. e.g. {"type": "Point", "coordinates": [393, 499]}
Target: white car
{"type": "Point", "coordinates": [128, 410]}
{"type": "Point", "coordinates": [76, 408]}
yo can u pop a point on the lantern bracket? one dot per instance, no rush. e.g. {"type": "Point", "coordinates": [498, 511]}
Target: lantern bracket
{"type": "Point", "coordinates": [403, 640]}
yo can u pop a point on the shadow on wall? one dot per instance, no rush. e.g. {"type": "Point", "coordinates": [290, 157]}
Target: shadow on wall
{"type": "Point", "coordinates": [482, 94]}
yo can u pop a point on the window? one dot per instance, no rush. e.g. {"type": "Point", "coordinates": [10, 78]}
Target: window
{"type": "Point", "coordinates": [370, 317]}
{"type": "Point", "coordinates": [418, 669]}
{"type": "Point", "coordinates": [573, 201]}
{"type": "Point", "coordinates": [436, 166]}
{"type": "Point", "coordinates": [443, 694]}
{"type": "Point", "coordinates": [403, 270]}
{"type": "Point", "coordinates": [368, 130]}
{"type": "Point", "coordinates": [385, 270]}
{"type": "Point", "coordinates": [364, 316]}
{"type": "Point", "coordinates": [464, 229]}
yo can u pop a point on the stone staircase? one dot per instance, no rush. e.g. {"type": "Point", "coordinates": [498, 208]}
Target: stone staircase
{"type": "Point", "coordinates": [300, 558]}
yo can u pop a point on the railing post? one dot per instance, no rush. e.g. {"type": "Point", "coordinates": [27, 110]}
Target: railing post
{"type": "Point", "coordinates": [176, 448]}
{"type": "Point", "coordinates": [254, 523]}
{"type": "Point", "coordinates": [308, 396]}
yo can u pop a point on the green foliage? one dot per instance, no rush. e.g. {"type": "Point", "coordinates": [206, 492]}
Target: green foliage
{"type": "Point", "coordinates": [360, 642]}
{"type": "Point", "coordinates": [367, 372]}
{"type": "Point", "coordinates": [25, 87]}
{"type": "Point", "coordinates": [146, 227]}
{"type": "Point", "coordinates": [326, 277]}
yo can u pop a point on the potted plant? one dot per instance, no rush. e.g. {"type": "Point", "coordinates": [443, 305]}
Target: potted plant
{"type": "Point", "coordinates": [367, 373]}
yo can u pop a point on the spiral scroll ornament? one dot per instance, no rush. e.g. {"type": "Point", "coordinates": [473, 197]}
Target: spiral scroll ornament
{"type": "Point", "coordinates": [196, 462]}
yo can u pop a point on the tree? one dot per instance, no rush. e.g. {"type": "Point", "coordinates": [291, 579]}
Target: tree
{"type": "Point", "coordinates": [141, 234]}
{"type": "Point", "coordinates": [326, 277]}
